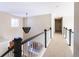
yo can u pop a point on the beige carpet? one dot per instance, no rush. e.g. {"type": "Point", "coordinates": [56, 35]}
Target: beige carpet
{"type": "Point", "coordinates": [58, 47]}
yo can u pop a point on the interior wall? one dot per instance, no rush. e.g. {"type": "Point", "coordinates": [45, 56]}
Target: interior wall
{"type": "Point", "coordinates": [68, 21]}
{"type": "Point", "coordinates": [76, 29]}
{"type": "Point", "coordinates": [53, 25]}
{"type": "Point", "coordinates": [7, 33]}
{"type": "Point", "coordinates": [38, 24]}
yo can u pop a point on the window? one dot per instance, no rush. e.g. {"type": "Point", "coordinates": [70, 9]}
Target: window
{"type": "Point", "coordinates": [14, 22]}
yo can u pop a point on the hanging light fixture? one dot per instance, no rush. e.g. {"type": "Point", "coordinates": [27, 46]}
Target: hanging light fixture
{"type": "Point", "coordinates": [26, 29]}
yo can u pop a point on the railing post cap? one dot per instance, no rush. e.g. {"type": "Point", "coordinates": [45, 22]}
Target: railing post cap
{"type": "Point", "coordinates": [70, 29]}
{"type": "Point", "coordinates": [50, 28]}
{"type": "Point", "coordinates": [66, 28]}
{"type": "Point", "coordinates": [45, 29]}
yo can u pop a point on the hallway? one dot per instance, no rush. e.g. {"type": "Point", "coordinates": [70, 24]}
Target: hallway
{"type": "Point", "coordinates": [58, 47]}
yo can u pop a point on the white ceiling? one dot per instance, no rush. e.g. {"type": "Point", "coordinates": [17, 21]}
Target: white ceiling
{"type": "Point", "coordinates": [32, 8]}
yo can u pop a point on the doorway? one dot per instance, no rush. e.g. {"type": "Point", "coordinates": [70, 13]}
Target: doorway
{"type": "Point", "coordinates": [58, 25]}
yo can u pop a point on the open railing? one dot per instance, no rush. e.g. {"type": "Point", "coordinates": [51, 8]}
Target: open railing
{"type": "Point", "coordinates": [68, 34]}
{"type": "Point", "coordinates": [30, 47]}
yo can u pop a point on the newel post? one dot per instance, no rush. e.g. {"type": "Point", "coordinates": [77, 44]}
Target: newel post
{"type": "Point", "coordinates": [70, 30]}
{"type": "Point", "coordinates": [45, 31]}
{"type": "Point", "coordinates": [17, 47]}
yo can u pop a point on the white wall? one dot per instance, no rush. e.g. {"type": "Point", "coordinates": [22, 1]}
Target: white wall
{"type": "Point", "coordinates": [76, 29]}
{"type": "Point", "coordinates": [38, 23]}
{"type": "Point", "coordinates": [7, 33]}
{"type": "Point", "coordinates": [53, 25]}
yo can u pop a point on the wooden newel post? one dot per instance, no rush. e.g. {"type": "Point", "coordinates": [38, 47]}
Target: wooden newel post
{"type": "Point", "coordinates": [17, 47]}
{"type": "Point", "coordinates": [45, 38]}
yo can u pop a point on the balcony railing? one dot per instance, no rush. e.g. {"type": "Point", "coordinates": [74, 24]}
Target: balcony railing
{"type": "Point", "coordinates": [31, 47]}
{"type": "Point", "coordinates": [68, 34]}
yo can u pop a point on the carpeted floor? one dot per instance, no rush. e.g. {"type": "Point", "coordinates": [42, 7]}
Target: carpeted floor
{"type": "Point", "coordinates": [58, 47]}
